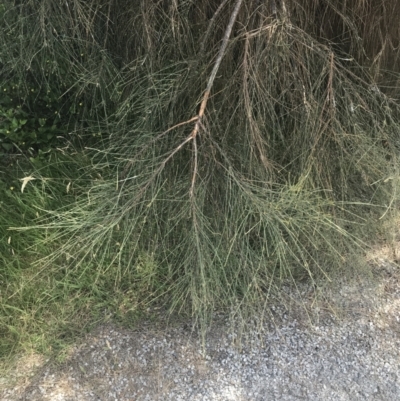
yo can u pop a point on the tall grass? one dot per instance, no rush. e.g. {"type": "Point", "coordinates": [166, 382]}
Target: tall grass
{"type": "Point", "coordinates": [206, 193]}
{"type": "Point", "coordinates": [44, 307]}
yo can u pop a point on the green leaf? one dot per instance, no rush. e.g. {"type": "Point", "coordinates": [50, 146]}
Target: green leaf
{"type": "Point", "coordinates": [7, 146]}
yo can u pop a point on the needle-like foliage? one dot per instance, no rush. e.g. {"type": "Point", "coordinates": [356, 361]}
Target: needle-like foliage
{"type": "Point", "coordinates": [243, 142]}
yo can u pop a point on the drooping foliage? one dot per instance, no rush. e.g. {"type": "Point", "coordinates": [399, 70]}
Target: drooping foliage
{"type": "Point", "coordinates": [276, 166]}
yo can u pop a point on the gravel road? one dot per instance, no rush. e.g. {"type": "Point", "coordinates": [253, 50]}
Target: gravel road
{"type": "Point", "coordinates": [349, 352]}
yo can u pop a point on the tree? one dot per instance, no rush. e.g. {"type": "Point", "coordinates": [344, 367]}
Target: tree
{"type": "Point", "coordinates": [243, 142]}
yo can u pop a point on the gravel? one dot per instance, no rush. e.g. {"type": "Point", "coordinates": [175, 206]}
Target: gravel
{"type": "Point", "coordinates": [354, 357]}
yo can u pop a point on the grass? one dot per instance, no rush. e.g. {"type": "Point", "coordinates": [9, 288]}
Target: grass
{"type": "Point", "coordinates": [33, 300]}
{"type": "Point", "coordinates": [221, 163]}
{"type": "Point", "coordinates": [45, 307]}
{"type": "Point", "coordinates": [47, 302]}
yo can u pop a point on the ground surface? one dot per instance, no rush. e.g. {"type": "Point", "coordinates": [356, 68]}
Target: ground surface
{"type": "Point", "coordinates": [346, 348]}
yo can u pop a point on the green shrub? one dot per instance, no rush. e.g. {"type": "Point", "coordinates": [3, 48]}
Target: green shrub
{"type": "Point", "coordinates": [52, 82]}
{"type": "Point", "coordinates": [291, 168]}
{"type": "Point", "coordinates": [30, 115]}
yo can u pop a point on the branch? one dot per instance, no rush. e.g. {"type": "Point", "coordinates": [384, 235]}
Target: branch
{"type": "Point", "coordinates": [217, 64]}
{"type": "Point", "coordinates": [198, 118]}
{"type": "Point", "coordinates": [210, 83]}
{"type": "Point", "coordinates": [209, 28]}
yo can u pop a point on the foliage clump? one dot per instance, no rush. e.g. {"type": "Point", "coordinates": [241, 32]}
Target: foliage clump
{"type": "Point", "coordinates": [43, 97]}
{"type": "Point", "coordinates": [246, 142]}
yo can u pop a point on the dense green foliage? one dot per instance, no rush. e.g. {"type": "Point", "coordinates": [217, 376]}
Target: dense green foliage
{"type": "Point", "coordinates": [43, 97]}
{"type": "Point", "coordinates": [29, 119]}
{"type": "Point", "coordinates": [136, 198]}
